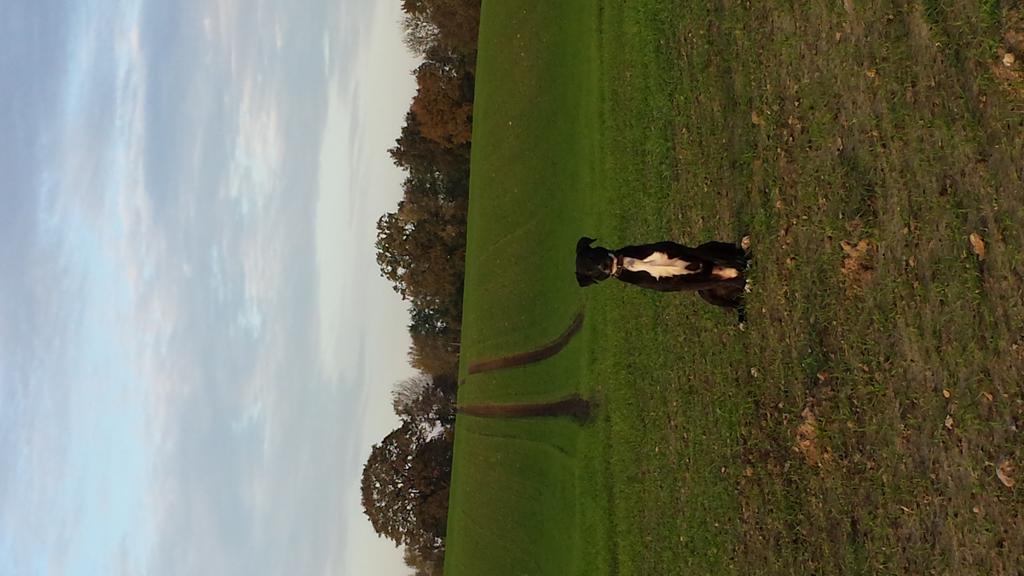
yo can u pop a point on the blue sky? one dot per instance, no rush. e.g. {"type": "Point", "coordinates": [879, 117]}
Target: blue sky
{"type": "Point", "coordinates": [196, 348]}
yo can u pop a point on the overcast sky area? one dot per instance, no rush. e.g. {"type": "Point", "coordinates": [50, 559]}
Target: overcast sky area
{"type": "Point", "coordinates": [196, 348]}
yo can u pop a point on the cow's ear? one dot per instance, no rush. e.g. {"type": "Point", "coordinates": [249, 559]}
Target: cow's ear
{"type": "Point", "coordinates": [583, 243]}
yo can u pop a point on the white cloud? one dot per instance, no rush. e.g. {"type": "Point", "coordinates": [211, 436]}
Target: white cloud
{"type": "Point", "coordinates": [256, 166]}
{"type": "Point", "coordinates": [341, 265]}
{"type": "Point", "coordinates": [382, 96]}
{"type": "Point", "coordinates": [240, 300]}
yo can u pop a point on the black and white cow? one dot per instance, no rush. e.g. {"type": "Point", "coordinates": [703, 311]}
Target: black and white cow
{"type": "Point", "coordinates": [715, 270]}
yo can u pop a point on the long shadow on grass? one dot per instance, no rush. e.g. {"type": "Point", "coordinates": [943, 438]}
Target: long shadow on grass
{"type": "Point", "coordinates": [575, 407]}
{"type": "Point", "coordinates": [531, 356]}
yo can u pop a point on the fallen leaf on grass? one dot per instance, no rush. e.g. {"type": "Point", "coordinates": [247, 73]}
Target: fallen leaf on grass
{"type": "Point", "coordinates": [807, 440]}
{"type": "Point", "coordinates": [857, 262]}
{"type": "Point", "coordinates": [949, 421]}
{"type": "Point", "coordinates": [1005, 472]}
{"type": "Point", "coordinates": [1006, 70]}
{"type": "Point", "coordinates": [946, 393]}
{"type": "Point", "coordinates": [855, 251]}
{"type": "Point", "coordinates": [756, 118]}
{"type": "Point", "coordinates": [978, 245]}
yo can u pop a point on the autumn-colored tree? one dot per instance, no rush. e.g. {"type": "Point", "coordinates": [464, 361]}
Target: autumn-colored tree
{"type": "Point", "coordinates": [405, 486]}
{"type": "Point", "coordinates": [429, 562]}
{"type": "Point", "coordinates": [427, 158]}
{"type": "Point", "coordinates": [421, 250]}
{"type": "Point", "coordinates": [419, 154]}
{"type": "Point", "coordinates": [434, 353]}
{"type": "Point", "coordinates": [443, 104]}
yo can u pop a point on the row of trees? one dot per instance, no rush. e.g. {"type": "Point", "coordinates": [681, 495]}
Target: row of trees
{"type": "Point", "coordinates": [421, 249]}
{"type": "Point", "coordinates": [407, 476]}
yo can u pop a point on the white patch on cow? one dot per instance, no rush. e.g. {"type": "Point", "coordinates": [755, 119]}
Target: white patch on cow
{"type": "Point", "coordinates": [724, 273]}
{"type": "Point", "coordinates": [658, 265]}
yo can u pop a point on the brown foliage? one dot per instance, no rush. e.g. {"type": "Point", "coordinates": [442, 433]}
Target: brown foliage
{"type": "Point", "coordinates": [405, 486]}
{"type": "Point", "coordinates": [443, 105]}
{"type": "Point", "coordinates": [425, 158]}
{"type": "Point", "coordinates": [433, 354]}
{"type": "Point", "coordinates": [421, 249]}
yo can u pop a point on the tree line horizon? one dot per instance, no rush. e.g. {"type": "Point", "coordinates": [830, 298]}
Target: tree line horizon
{"type": "Point", "coordinates": [421, 248]}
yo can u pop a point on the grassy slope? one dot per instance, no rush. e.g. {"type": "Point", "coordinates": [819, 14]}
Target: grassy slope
{"type": "Point", "coordinates": [804, 126]}
{"type": "Point", "coordinates": [514, 506]}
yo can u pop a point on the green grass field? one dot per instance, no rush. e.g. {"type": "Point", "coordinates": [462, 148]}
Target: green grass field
{"type": "Point", "coordinates": [857, 425]}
